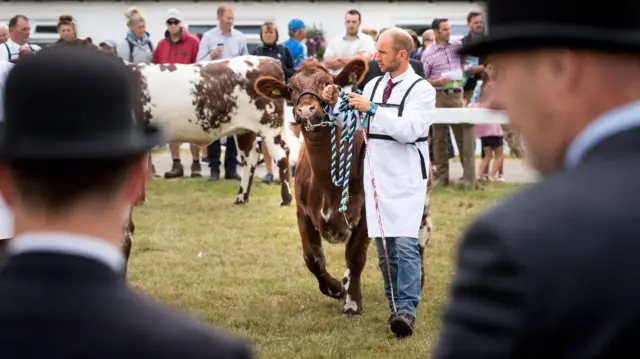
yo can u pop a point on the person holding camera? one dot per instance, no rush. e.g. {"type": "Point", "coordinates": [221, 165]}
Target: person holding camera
{"type": "Point", "coordinates": [223, 42]}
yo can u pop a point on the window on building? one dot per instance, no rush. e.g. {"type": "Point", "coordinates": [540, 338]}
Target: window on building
{"type": "Point", "coordinates": [46, 29]}
{"type": "Point", "coordinates": [457, 30]}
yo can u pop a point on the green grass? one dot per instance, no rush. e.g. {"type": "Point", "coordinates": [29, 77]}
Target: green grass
{"type": "Point", "coordinates": [251, 278]}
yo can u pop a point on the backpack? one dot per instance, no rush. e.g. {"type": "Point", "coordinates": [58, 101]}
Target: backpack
{"type": "Point", "coordinates": [131, 49]}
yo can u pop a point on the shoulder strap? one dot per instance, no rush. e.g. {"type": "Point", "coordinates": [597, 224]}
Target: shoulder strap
{"type": "Point", "coordinates": [375, 87]}
{"type": "Point", "coordinates": [150, 46]}
{"type": "Point", "coordinates": [404, 98]}
{"type": "Point", "coordinates": [8, 51]}
{"type": "Point", "coordinates": [130, 50]}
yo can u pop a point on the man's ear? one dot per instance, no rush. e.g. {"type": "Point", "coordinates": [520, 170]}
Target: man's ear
{"type": "Point", "coordinates": [272, 88]}
{"type": "Point", "coordinates": [358, 66]}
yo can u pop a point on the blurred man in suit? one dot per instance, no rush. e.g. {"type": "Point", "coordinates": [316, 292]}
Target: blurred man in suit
{"type": "Point", "coordinates": [552, 272]}
{"type": "Point", "coordinates": [62, 291]}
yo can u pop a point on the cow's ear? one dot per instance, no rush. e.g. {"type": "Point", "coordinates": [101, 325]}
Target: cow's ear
{"type": "Point", "coordinates": [357, 65]}
{"type": "Point", "coordinates": [272, 88]}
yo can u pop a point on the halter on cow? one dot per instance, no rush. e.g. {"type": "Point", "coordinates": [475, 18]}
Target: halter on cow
{"type": "Point", "coordinates": [318, 199]}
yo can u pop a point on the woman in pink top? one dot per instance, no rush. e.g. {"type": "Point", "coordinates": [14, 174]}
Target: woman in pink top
{"type": "Point", "coordinates": [490, 134]}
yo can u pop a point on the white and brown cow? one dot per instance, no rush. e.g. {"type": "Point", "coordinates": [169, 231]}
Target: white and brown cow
{"type": "Point", "coordinates": [200, 103]}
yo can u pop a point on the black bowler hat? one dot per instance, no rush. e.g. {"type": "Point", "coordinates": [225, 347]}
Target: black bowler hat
{"type": "Point", "coordinates": [517, 25]}
{"type": "Point", "coordinates": [72, 103]}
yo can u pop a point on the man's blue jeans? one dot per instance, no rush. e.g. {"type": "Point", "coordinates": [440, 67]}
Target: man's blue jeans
{"type": "Point", "coordinates": [404, 260]}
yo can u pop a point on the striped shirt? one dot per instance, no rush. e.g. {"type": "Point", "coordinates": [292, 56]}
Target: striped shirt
{"type": "Point", "coordinates": [437, 59]}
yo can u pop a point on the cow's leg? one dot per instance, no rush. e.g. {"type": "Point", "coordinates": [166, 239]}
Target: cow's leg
{"type": "Point", "coordinates": [356, 256]}
{"type": "Point", "coordinates": [247, 147]}
{"type": "Point", "coordinates": [279, 151]}
{"type": "Point", "coordinates": [426, 225]}
{"type": "Point", "coordinates": [315, 260]}
{"type": "Point", "coordinates": [127, 241]}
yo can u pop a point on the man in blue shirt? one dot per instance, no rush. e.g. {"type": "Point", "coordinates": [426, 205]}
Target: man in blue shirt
{"type": "Point", "coordinates": [295, 44]}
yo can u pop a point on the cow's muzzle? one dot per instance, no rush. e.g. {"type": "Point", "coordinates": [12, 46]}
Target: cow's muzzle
{"type": "Point", "coordinates": [305, 114]}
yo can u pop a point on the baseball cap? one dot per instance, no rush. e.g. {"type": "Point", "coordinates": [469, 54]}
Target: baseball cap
{"type": "Point", "coordinates": [109, 42]}
{"type": "Point", "coordinates": [174, 14]}
{"type": "Point", "coordinates": [296, 24]}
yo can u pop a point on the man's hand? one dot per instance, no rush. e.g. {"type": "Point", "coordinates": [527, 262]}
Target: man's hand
{"type": "Point", "coordinates": [330, 95]}
{"type": "Point", "coordinates": [359, 102]}
{"type": "Point", "coordinates": [443, 81]}
{"type": "Point", "coordinates": [477, 69]}
{"type": "Point", "coordinates": [217, 52]}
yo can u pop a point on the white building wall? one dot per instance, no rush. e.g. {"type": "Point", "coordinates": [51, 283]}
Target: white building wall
{"type": "Point", "coordinates": [103, 20]}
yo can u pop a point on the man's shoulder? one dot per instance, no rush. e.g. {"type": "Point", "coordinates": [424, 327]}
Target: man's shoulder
{"type": "Point", "coordinates": [237, 34]}
{"type": "Point", "coordinates": [583, 204]}
{"type": "Point", "coordinates": [420, 85]}
{"type": "Point", "coordinates": [293, 45]}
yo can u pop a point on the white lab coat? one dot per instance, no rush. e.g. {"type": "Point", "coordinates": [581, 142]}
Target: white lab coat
{"type": "Point", "coordinates": [6, 216]}
{"type": "Point", "coordinates": [396, 164]}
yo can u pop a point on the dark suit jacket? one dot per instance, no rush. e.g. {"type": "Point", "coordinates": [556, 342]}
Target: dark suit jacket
{"type": "Point", "coordinates": [63, 306]}
{"type": "Point", "coordinates": [553, 271]}
{"type": "Point", "coordinates": [374, 70]}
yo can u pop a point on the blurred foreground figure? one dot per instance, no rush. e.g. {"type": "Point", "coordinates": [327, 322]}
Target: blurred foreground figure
{"type": "Point", "coordinates": [552, 272]}
{"type": "Point", "coordinates": [72, 166]}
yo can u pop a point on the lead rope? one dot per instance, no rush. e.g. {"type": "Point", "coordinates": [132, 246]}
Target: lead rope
{"type": "Point", "coordinates": [343, 164]}
{"type": "Point", "coordinates": [343, 178]}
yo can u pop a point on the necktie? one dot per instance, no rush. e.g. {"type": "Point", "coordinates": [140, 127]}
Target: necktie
{"type": "Point", "coordinates": [387, 90]}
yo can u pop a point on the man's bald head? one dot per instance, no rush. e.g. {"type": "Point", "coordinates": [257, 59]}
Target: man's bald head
{"type": "Point", "coordinates": [400, 39]}
{"type": "Point", "coordinates": [4, 33]}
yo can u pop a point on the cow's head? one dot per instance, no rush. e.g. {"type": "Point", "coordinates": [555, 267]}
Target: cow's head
{"type": "Point", "coordinates": [305, 88]}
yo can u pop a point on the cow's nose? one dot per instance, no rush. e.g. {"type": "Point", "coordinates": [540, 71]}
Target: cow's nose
{"type": "Point", "coordinates": [306, 111]}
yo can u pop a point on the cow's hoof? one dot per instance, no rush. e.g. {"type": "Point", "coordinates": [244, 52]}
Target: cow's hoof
{"type": "Point", "coordinates": [285, 204]}
{"type": "Point", "coordinates": [239, 202]}
{"type": "Point", "coordinates": [350, 313]}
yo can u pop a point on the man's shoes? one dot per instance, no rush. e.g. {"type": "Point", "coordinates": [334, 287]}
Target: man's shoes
{"type": "Point", "coordinates": [391, 317]}
{"type": "Point", "coordinates": [402, 325]}
{"type": "Point", "coordinates": [177, 170]}
{"type": "Point", "coordinates": [214, 176]}
{"type": "Point", "coordinates": [196, 169]}
{"type": "Point", "coordinates": [232, 176]}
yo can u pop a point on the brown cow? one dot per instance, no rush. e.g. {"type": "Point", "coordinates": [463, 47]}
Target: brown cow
{"type": "Point", "coordinates": [317, 198]}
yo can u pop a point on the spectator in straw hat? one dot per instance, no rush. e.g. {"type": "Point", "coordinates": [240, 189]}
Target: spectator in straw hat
{"type": "Point", "coordinates": [552, 271]}
{"type": "Point", "coordinates": [64, 276]}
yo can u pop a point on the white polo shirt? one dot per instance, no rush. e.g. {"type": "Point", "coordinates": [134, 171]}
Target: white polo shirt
{"type": "Point", "coordinates": [340, 46]}
{"type": "Point", "coordinates": [10, 50]}
{"type": "Point", "coordinates": [6, 216]}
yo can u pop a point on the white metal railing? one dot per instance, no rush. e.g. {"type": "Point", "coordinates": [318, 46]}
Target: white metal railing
{"type": "Point", "coordinates": [451, 116]}
{"type": "Point", "coordinates": [473, 116]}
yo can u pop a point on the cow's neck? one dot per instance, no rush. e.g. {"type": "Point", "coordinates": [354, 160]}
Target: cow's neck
{"type": "Point", "coordinates": [319, 152]}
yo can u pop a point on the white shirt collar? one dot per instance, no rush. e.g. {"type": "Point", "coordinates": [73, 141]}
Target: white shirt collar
{"type": "Point", "coordinates": [69, 243]}
{"type": "Point", "coordinates": [615, 121]}
{"type": "Point", "coordinates": [398, 78]}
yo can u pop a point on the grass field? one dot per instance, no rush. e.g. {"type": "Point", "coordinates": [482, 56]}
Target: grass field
{"type": "Point", "coordinates": [251, 278]}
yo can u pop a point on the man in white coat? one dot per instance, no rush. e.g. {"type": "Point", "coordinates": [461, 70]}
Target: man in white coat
{"type": "Point", "coordinates": [400, 106]}
{"type": "Point", "coordinates": [18, 43]}
{"type": "Point", "coordinates": [6, 216]}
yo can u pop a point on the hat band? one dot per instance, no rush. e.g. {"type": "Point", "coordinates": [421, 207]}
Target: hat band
{"type": "Point", "coordinates": [563, 31]}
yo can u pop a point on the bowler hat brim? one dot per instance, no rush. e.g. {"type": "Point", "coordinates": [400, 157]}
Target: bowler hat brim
{"type": "Point", "coordinates": [532, 37]}
{"type": "Point", "coordinates": [105, 147]}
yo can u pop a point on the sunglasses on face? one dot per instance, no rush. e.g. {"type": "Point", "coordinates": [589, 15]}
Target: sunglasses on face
{"type": "Point", "coordinates": [173, 22]}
